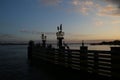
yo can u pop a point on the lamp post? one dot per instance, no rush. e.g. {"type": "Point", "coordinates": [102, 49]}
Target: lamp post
{"type": "Point", "coordinates": [60, 35]}
{"type": "Point", "coordinates": [43, 40]}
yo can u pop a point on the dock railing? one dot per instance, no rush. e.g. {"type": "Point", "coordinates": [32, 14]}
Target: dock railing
{"type": "Point", "coordinates": [97, 62]}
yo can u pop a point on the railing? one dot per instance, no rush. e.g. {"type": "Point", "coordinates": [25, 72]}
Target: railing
{"type": "Point", "coordinates": [99, 62]}
{"type": "Point", "coordinates": [103, 63]}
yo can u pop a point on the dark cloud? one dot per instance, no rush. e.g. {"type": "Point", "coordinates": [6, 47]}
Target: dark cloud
{"type": "Point", "coordinates": [7, 37]}
{"type": "Point", "coordinates": [36, 32]}
{"type": "Point", "coordinates": [116, 2]}
{"type": "Point", "coordinates": [112, 8]}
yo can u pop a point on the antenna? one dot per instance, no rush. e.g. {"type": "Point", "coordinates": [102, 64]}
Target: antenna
{"type": "Point", "coordinates": [61, 27]}
{"type": "Point", "coordinates": [58, 28]}
{"type": "Point", "coordinates": [42, 36]}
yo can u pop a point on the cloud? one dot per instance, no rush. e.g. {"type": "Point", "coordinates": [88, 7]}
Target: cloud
{"type": "Point", "coordinates": [116, 2]}
{"type": "Point", "coordinates": [109, 10]}
{"type": "Point", "coordinates": [84, 3]}
{"type": "Point", "coordinates": [51, 2]}
{"type": "Point", "coordinates": [84, 6]}
{"type": "Point", "coordinates": [99, 23]}
{"type": "Point", "coordinates": [81, 6]}
{"type": "Point", "coordinates": [7, 37]}
{"type": "Point", "coordinates": [36, 32]}
{"type": "Point", "coordinates": [116, 22]}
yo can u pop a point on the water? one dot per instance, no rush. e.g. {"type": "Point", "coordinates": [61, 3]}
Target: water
{"type": "Point", "coordinates": [90, 47]}
{"type": "Point", "coordinates": [14, 64]}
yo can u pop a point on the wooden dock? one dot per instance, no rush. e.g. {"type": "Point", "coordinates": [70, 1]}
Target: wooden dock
{"type": "Point", "coordinates": [100, 64]}
{"type": "Point", "coordinates": [94, 62]}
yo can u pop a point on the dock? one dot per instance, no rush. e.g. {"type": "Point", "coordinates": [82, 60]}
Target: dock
{"type": "Point", "coordinates": [97, 64]}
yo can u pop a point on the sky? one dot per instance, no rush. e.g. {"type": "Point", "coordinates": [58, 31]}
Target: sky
{"type": "Point", "coordinates": [24, 20]}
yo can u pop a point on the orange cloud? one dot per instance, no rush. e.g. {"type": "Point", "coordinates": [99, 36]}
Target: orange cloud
{"type": "Point", "coordinates": [108, 10]}
{"type": "Point", "coordinates": [116, 22]}
{"type": "Point", "coordinates": [99, 23]}
{"type": "Point", "coordinates": [87, 6]}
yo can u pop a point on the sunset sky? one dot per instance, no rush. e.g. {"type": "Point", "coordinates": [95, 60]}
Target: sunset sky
{"type": "Point", "coordinates": [23, 20]}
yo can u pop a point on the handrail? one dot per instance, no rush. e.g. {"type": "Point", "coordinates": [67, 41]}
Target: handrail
{"type": "Point", "coordinates": [99, 62]}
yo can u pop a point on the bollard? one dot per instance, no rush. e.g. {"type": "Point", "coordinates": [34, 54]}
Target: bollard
{"type": "Point", "coordinates": [30, 49]}
{"type": "Point", "coordinates": [115, 53]}
{"type": "Point", "coordinates": [83, 58]}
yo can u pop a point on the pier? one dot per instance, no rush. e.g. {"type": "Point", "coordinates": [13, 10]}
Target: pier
{"type": "Point", "coordinates": [93, 63]}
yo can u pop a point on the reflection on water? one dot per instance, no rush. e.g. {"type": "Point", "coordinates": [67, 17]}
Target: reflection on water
{"type": "Point", "coordinates": [99, 47]}
{"type": "Point", "coordinates": [90, 47]}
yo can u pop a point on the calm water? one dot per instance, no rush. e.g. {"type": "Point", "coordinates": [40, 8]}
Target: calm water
{"type": "Point", "coordinates": [90, 47]}
{"type": "Point", "coordinates": [14, 64]}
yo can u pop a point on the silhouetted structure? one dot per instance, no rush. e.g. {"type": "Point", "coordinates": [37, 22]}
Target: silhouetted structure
{"type": "Point", "coordinates": [30, 49]}
{"type": "Point", "coordinates": [99, 64]}
{"type": "Point", "coordinates": [60, 35]}
{"type": "Point", "coordinates": [43, 40]}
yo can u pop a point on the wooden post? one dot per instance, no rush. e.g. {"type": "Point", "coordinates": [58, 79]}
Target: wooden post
{"type": "Point", "coordinates": [61, 57]}
{"type": "Point", "coordinates": [69, 58]}
{"type": "Point", "coordinates": [44, 43]}
{"type": "Point", "coordinates": [83, 58]}
{"type": "Point", "coordinates": [95, 71]}
{"type": "Point", "coordinates": [115, 53]}
{"type": "Point", "coordinates": [30, 49]}
{"type": "Point", "coordinates": [60, 42]}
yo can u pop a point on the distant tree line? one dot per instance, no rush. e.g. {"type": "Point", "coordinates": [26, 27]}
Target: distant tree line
{"type": "Point", "coordinates": [115, 42]}
{"type": "Point", "coordinates": [13, 43]}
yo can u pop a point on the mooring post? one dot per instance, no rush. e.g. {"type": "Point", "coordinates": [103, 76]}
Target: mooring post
{"type": "Point", "coordinates": [115, 54]}
{"type": "Point", "coordinates": [95, 71]}
{"type": "Point", "coordinates": [30, 49]}
{"type": "Point", "coordinates": [83, 57]}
